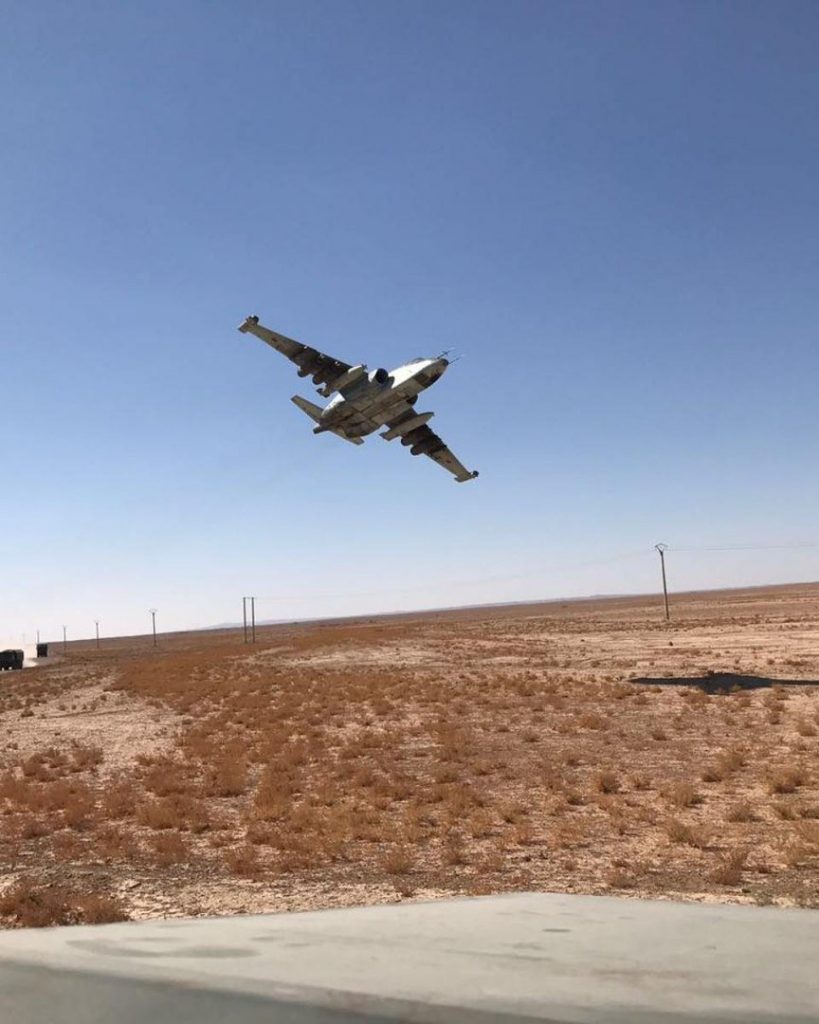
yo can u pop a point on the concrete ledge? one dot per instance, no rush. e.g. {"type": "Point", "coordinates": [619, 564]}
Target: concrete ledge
{"type": "Point", "coordinates": [572, 959]}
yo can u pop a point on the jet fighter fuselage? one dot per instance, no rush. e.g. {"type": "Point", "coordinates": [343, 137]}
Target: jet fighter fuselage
{"type": "Point", "coordinates": [369, 400]}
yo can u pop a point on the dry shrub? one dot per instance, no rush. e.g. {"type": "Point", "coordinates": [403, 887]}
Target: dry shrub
{"type": "Point", "coordinates": [226, 777]}
{"type": "Point", "coordinates": [168, 776]}
{"type": "Point", "coordinates": [741, 811]}
{"type": "Point", "coordinates": [398, 861]}
{"type": "Point", "coordinates": [33, 828]}
{"type": "Point", "coordinates": [29, 905]}
{"type": "Point", "coordinates": [795, 853]}
{"type": "Point", "coordinates": [403, 886]}
{"type": "Point", "coordinates": [15, 791]}
{"type": "Point", "coordinates": [511, 811]}
{"type": "Point", "coordinates": [80, 811]}
{"type": "Point", "coordinates": [271, 803]}
{"type": "Point", "coordinates": [680, 832]}
{"type": "Point", "coordinates": [591, 720]}
{"type": "Point", "coordinates": [181, 812]}
{"type": "Point", "coordinates": [492, 862]}
{"type": "Point", "coordinates": [119, 800]}
{"type": "Point", "coordinates": [480, 825]}
{"type": "Point", "coordinates": [681, 794]}
{"type": "Point", "coordinates": [114, 845]}
{"type": "Point", "coordinates": [85, 758]}
{"type": "Point", "coordinates": [786, 780]}
{"type": "Point", "coordinates": [785, 810]}
{"type": "Point", "coordinates": [567, 834]}
{"type": "Point", "coordinates": [724, 764]}
{"type": "Point", "coordinates": [454, 852]}
{"type": "Point", "coordinates": [168, 849]}
{"type": "Point", "coordinates": [97, 909]}
{"type": "Point", "coordinates": [607, 782]}
{"type": "Point", "coordinates": [157, 814]}
{"type": "Point", "coordinates": [523, 835]}
{"type": "Point", "coordinates": [729, 870]}
{"type": "Point", "coordinates": [243, 861]}
{"type": "Point", "coordinates": [618, 877]}
{"type": "Point", "coordinates": [259, 833]}
{"type": "Point", "coordinates": [45, 765]}
{"type": "Point", "coordinates": [66, 846]}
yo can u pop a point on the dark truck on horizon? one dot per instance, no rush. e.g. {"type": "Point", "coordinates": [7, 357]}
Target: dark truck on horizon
{"type": "Point", "coordinates": [10, 660]}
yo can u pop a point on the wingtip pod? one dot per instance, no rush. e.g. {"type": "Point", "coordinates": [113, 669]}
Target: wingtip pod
{"type": "Point", "coordinates": [469, 476]}
{"type": "Point", "coordinates": [248, 323]}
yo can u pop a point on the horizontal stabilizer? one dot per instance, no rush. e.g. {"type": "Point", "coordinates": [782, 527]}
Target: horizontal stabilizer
{"type": "Point", "coordinates": [313, 411]}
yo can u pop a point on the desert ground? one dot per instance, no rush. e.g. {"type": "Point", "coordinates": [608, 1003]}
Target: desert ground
{"type": "Point", "coordinates": [583, 746]}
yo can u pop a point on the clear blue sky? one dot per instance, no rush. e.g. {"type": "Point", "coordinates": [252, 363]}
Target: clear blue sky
{"type": "Point", "coordinates": [609, 208]}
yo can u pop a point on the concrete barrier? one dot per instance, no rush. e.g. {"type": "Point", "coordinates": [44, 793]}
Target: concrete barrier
{"type": "Point", "coordinates": [526, 957]}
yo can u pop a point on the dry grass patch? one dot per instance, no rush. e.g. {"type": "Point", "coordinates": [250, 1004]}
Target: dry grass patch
{"type": "Point", "coordinates": [786, 780]}
{"type": "Point", "coordinates": [681, 794]}
{"type": "Point", "coordinates": [729, 870]}
{"type": "Point", "coordinates": [29, 904]}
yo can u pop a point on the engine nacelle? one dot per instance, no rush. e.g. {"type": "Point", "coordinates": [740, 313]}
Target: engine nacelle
{"type": "Point", "coordinates": [413, 437]}
{"type": "Point", "coordinates": [428, 446]}
{"type": "Point", "coordinates": [381, 376]}
{"type": "Point", "coordinates": [344, 381]}
{"type": "Point", "coordinates": [308, 364]}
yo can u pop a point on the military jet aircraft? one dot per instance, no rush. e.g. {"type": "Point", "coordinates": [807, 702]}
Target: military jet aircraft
{"type": "Point", "coordinates": [366, 400]}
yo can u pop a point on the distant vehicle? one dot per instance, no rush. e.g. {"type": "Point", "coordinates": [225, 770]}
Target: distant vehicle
{"type": "Point", "coordinates": [11, 659]}
{"type": "Point", "coordinates": [365, 401]}
{"type": "Point", "coordinates": [42, 650]}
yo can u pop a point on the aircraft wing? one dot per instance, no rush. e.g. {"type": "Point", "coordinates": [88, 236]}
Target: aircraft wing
{"type": "Point", "coordinates": [413, 431]}
{"type": "Point", "coordinates": [324, 369]}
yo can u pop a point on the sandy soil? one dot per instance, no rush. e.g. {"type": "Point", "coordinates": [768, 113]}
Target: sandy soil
{"type": "Point", "coordinates": [571, 746]}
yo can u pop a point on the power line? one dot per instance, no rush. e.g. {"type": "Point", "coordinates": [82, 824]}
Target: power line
{"type": "Point", "coordinates": [751, 547]}
{"type": "Point", "coordinates": [475, 581]}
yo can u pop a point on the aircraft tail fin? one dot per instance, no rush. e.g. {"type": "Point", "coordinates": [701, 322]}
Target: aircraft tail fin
{"type": "Point", "coordinates": [312, 410]}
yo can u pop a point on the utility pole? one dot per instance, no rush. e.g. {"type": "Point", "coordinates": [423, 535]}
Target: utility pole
{"type": "Point", "coordinates": [64, 647]}
{"type": "Point", "coordinates": [662, 548]}
{"type": "Point", "coordinates": [97, 624]}
{"type": "Point", "coordinates": [244, 618]}
{"type": "Point", "coordinates": [153, 623]}
{"type": "Point", "coordinates": [253, 617]}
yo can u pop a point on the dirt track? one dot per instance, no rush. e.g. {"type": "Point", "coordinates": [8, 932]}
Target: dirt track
{"type": "Point", "coordinates": [578, 746]}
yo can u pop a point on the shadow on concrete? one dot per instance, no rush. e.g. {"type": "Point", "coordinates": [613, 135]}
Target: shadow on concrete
{"type": "Point", "coordinates": [722, 682]}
